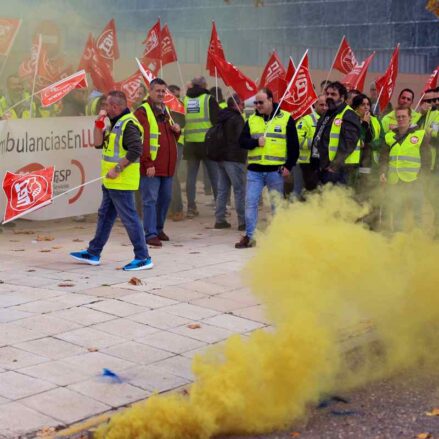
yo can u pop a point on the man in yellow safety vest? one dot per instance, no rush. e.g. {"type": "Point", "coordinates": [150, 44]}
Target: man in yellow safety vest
{"type": "Point", "coordinates": [122, 146]}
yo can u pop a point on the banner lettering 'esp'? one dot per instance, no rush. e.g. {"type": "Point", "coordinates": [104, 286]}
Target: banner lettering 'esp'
{"type": "Point", "coordinates": [9, 28]}
{"type": "Point", "coordinates": [274, 69]}
{"type": "Point", "coordinates": [386, 83]}
{"type": "Point", "coordinates": [355, 78]}
{"type": "Point", "coordinates": [215, 49]}
{"type": "Point", "coordinates": [301, 94]}
{"type": "Point", "coordinates": [57, 91]}
{"type": "Point", "coordinates": [233, 77]}
{"type": "Point", "coordinates": [345, 59]}
{"type": "Point", "coordinates": [107, 45]}
{"type": "Point", "coordinates": [27, 192]}
{"type": "Point", "coordinates": [168, 53]}
{"type": "Point", "coordinates": [170, 100]}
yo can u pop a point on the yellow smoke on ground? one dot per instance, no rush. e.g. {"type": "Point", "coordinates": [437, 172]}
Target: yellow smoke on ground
{"type": "Point", "coordinates": [318, 271]}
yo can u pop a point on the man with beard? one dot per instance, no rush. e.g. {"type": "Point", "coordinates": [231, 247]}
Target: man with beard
{"type": "Point", "coordinates": [335, 147]}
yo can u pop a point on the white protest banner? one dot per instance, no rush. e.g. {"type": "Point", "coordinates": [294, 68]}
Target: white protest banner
{"type": "Point", "coordinates": [63, 142]}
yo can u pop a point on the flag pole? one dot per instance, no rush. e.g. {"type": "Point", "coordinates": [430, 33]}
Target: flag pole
{"type": "Point", "coordinates": [333, 61]}
{"type": "Point", "coordinates": [378, 100]}
{"type": "Point", "coordinates": [420, 100]}
{"type": "Point", "coordinates": [40, 43]}
{"type": "Point", "coordinates": [77, 187]}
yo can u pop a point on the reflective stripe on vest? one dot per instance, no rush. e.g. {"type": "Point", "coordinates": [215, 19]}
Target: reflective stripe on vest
{"type": "Point", "coordinates": [113, 151]}
{"type": "Point", "coordinates": [274, 152]}
{"type": "Point", "coordinates": [405, 157]}
{"type": "Point", "coordinates": [153, 130]}
{"type": "Point", "coordinates": [306, 127]}
{"type": "Point", "coordinates": [334, 138]}
{"type": "Point", "coordinates": [197, 118]}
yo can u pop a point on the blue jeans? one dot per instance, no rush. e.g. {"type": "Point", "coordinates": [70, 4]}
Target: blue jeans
{"type": "Point", "coordinates": [156, 197]}
{"type": "Point", "coordinates": [193, 165]}
{"type": "Point", "coordinates": [230, 174]}
{"type": "Point", "coordinates": [256, 181]}
{"type": "Point", "coordinates": [114, 203]}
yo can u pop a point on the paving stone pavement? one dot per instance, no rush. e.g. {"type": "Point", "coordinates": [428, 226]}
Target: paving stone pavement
{"type": "Point", "coordinates": [62, 322]}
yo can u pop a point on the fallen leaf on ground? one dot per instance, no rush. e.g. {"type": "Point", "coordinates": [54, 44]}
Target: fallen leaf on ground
{"type": "Point", "coordinates": [124, 244]}
{"type": "Point", "coordinates": [14, 240]}
{"type": "Point", "coordinates": [31, 270]}
{"type": "Point", "coordinates": [46, 432]}
{"type": "Point", "coordinates": [105, 285]}
{"type": "Point", "coordinates": [18, 249]}
{"type": "Point", "coordinates": [135, 281]}
{"type": "Point", "coordinates": [44, 238]}
{"type": "Point", "coordinates": [78, 240]}
{"type": "Point", "coordinates": [434, 412]}
{"type": "Point", "coordinates": [119, 268]}
{"type": "Point", "coordinates": [423, 436]}
{"type": "Point", "coordinates": [185, 392]}
{"type": "Point", "coordinates": [56, 247]}
{"type": "Point", "coordinates": [194, 326]}
{"type": "Point", "coordinates": [66, 284]}
{"type": "Point", "coordinates": [194, 253]}
{"type": "Point", "coordinates": [177, 245]}
{"type": "Point", "coordinates": [45, 250]}
{"type": "Point", "coordinates": [24, 232]}
{"type": "Point", "coordinates": [92, 349]}
{"type": "Point", "coordinates": [295, 434]}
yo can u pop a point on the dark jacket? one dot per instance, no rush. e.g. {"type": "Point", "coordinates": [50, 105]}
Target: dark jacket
{"type": "Point", "coordinates": [349, 135]}
{"type": "Point", "coordinates": [233, 123]}
{"type": "Point", "coordinates": [197, 150]}
{"type": "Point", "coordinates": [166, 159]}
{"type": "Point", "coordinates": [131, 141]}
{"type": "Point", "coordinates": [247, 142]}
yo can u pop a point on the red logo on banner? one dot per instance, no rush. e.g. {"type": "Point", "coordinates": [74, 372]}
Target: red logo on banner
{"type": "Point", "coordinates": [414, 139]}
{"type": "Point", "coordinates": [28, 192]}
{"type": "Point", "coordinates": [345, 59]}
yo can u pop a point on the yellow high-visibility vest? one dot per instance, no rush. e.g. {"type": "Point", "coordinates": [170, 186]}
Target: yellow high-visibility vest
{"type": "Point", "coordinates": [306, 128]}
{"type": "Point", "coordinates": [405, 157]}
{"type": "Point", "coordinates": [113, 151]}
{"type": "Point", "coordinates": [197, 118]}
{"type": "Point", "coordinates": [153, 130]}
{"type": "Point", "coordinates": [274, 152]}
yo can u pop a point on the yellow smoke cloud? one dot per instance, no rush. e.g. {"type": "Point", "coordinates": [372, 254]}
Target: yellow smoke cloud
{"type": "Point", "coordinates": [319, 273]}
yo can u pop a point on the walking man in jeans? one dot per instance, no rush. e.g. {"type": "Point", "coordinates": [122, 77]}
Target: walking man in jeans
{"type": "Point", "coordinates": [122, 146]}
{"type": "Point", "coordinates": [273, 150]}
{"type": "Point", "coordinates": [158, 161]}
{"type": "Point", "coordinates": [231, 167]}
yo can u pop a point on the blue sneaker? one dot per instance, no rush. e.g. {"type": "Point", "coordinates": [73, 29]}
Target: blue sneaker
{"type": "Point", "coordinates": [139, 264]}
{"type": "Point", "coordinates": [85, 256]}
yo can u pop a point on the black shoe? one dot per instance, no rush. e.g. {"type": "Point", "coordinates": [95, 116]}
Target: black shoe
{"type": "Point", "coordinates": [241, 227]}
{"type": "Point", "coordinates": [245, 242]}
{"type": "Point", "coordinates": [222, 225]}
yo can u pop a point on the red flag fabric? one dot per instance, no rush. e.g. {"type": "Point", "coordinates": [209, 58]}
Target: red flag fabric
{"type": "Point", "coordinates": [170, 100]}
{"type": "Point", "coordinates": [234, 78]}
{"type": "Point", "coordinates": [215, 48]}
{"type": "Point", "coordinates": [107, 43]}
{"type": "Point", "coordinates": [100, 72]}
{"type": "Point", "coordinates": [291, 69]}
{"type": "Point", "coordinates": [28, 66]}
{"type": "Point", "coordinates": [432, 80]}
{"type": "Point", "coordinates": [47, 71]}
{"type": "Point", "coordinates": [168, 54]}
{"type": "Point", "coordinates": [87, 54]}
{"type": "Point", "coordinates": [9, 28]}
{"type": "Point", "coordinates": [345, 59]}
{"type": "Point", "coordinates": [274, 69]}
{"type": "Point", "coordinates": [130, 87]}
{"type": "Point", "coordinates": [355, 79]}
{"type": "Point", "coordinates": [301, 94]}
{"type": "Point", "coordinates": [152, 42]}
{"type": "Point", "coordinates": [57, 91]}
{"type": "Point", "coordinates": [386, 83]}
{"type": "Point", "coordinates": [27, 192]}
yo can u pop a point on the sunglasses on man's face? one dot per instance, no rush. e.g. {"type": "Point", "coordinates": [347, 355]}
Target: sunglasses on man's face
{"type": "Point", "coordinates": [258, 102]}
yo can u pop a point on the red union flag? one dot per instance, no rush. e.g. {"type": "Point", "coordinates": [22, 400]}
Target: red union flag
{"type": "Point", "coordinates": [215, 48]}
{"type": "Point", "coordinates": [8, 30]}
{"type": "Point", "coordinates": [168, 54]}
{"type": "Point", "coordinates": [27, 192]}
{"type": "Point", "coordinates": [130, 87]}
{"type": "Point", "coordinates": [152, 42]}
{"type": "Point", "coordinates": [300, 93]}
{"type": "Point", "coordinates": [386, 83]}
{"type": "Point", "coordinates": [107, 44]}
{"type": "Point", "coordinates": [345, 59]}
{"type": "Point", "coordinates": [28, 66]}
{"type": "Point", "coordinates": [87, 54]}
{"type": "Point", "coordinates": [57, 91]}
{"type": "Point", "coordinates": [100, 72]}
{"type": "Point", "coordinates": [432, 80]}
{"type": "Point", "coordinates": [355, 79]}
{"type": "Point", "coordinates": [234, 78]}
{"type": "Point", "coordinates": [170, 100]}
{"type": "Point", "coordinates": [274, 69]}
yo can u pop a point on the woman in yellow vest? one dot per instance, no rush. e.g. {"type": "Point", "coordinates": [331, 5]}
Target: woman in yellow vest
{"type": "Point", "coordinates": [121, 148]}
{"type": "Point", "coordinates": [402, 158]}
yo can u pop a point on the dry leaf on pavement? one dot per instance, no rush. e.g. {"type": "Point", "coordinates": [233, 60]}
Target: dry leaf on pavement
{"type": "Point", "coordinates": [423, 436]}
{"type": "Point", "coordinates": [45, 250]}
{"type": "Point", "coordinates": [194, 326]}
{"type": "Point", "coordinates": [92, 349]}
{"type": "Point", "coordinates": [78, 240]}
{"type": "Point", "coordinates": [46, 432]}
{"type": "Point", "coordinates": [295, 434]}
{"type": "Point", "coordinates": [44, 238]}
{"type": "Point", "coordinates": [135, 281]}
{"type": "Point", "coordinates": [66, 284]}
{"type": "Point", "coordinates": [434, 412]}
